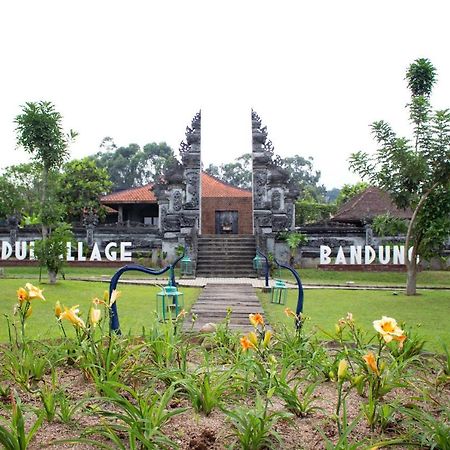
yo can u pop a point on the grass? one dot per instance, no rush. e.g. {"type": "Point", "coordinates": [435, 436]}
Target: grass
{"type": "Point", "coordinates": [428, 278]}
{"type": "Point", "coordinates": [430, 310]}
{"type": "Point", "coordinates": [136, 306]}
{"type": "Point", "coordinates": [32, 272]}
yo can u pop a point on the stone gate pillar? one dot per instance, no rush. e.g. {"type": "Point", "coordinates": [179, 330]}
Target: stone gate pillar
{"type": "Point", "coordinates": [273, 195]}
{"type": "Point", "coordinates": [179, 194]}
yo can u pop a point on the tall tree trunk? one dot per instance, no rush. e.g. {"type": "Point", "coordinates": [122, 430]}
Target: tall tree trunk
{"type": "Point", "coordinates": [411, 277]}
{"type": "Point", "coordinates": [44, 228]}
{"type": "Point", "coordinates": [411, 265]}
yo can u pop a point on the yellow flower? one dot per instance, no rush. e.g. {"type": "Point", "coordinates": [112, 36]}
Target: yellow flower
{"type": "Point", "coordinates": [94, 316]}
{"type": "Point", "coordinates": [371, 362]}
{"type": "Point", "coordinates": [246, 343]}
{"type": "Point", "coordinates": [29, 312]}
{"type": "Point", "coordinates": [96, 301]}
{"type": "Point", "coordinates": [114, 296]}
{"type": "Point", "coordinates": [58, 309]}
{"type": "Point", "coordinates": [342, 369]}
{"type": "Point", "coordinates": [181, 314]}
{"type": "Point", "coordinates": [267, 337]}
{"type": "Point", "coordinates": [105, 296]}
{"type": "Point", "coordinates": [290, 313]}
{"type": "Point", "coordinates": [253, 338]}
{"type": "Point", "coordinates": [72, 316]}
{"type": "Point", "coordinates": [256, 319]}
{"type": "Point", "coordinates": [22, 295]}
{"type": "Point", "coordinates": [388, 328]}
{"type": "Point", "coordinates": [34, 292]}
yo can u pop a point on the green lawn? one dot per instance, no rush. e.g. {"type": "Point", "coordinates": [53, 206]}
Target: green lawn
{"type": "Point", "coordinates": [430, 310]}
{"type": "Point", "coordinates": [32, 272]}
{"type": "Point", "coordinates": [435, 278]}
{"type": "Point", "coordinates": [135, 306]}
{"type": "Point", "coordinates": [427, 278]}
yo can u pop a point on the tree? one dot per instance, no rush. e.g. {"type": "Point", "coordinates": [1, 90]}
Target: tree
{"type": "Point", "coordinates": [39, 132]}
{"type": "Point", "coordinates": [132, 166]}
{"type": "Point", "coordinates": [348, 191]}
{"type": "Point", "coordinates": [50, 250]}
{"type": "Point", "coordinates": [301, 171]}
{"type": "Point", "coordinates": [237, 173]}
{"type": "Point", "coordinates": [416, 173]}
{"type": "Point", "coordinates": [19, 191]}
{"type": "Point", "coordinates": [81, 185]}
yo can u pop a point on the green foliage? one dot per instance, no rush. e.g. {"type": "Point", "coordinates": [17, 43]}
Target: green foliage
{"type": "Point", "coordinates": [40, 133]}
{"type": "Point", "coordinates": [19, 191]}
{"type": "Point", "coordinates": [254, 427]}
{"type": "Point", "coordinates": [387, 225]}
{"type": "Point", "coordinates": [348, 191]}
{"type": "Point", "coordinates": [132, 166]}
{"type": "Point", "coordinates": [15, 437]}
{"type": "Point", "coordinates": [311, 211]}
{"type": "Point", "coordinates": [237, 173]}
{"type": "Point", "coordinates": [49, 250]}
{"type": "Point", "coordinates": [140, 415]}
{"type": "Point", "coordinates": [300, 170]}
{"type": "Point", "coordinates": [81, 185]}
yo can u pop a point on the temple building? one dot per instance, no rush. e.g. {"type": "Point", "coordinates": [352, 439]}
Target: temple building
{"type": "Point", "coordinates": [226, 209]}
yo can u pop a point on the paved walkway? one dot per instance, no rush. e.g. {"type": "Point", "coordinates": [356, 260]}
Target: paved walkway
{"type": "Point", "coordinates": [254, 282]}
{"type": "Point", "coordinates": [214, 301]}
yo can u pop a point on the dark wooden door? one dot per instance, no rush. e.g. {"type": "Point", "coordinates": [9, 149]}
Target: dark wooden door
{"type": "Point", "coordinates": [226, 222]}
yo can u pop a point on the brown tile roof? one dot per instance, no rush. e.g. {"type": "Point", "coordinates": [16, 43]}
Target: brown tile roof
{"type": "Point", "coordinates": [367, 205]}
{"type": "Point", "coordinates": [211, 187]}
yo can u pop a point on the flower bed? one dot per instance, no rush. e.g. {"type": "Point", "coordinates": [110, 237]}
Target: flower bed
{"type": "Point", "coordinates": [279, 388]}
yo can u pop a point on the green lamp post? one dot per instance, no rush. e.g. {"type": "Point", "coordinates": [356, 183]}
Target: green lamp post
{"type": "Point", "coordinates": [170, 302]}
{"type": "Point", "coordinates": [279, 292]}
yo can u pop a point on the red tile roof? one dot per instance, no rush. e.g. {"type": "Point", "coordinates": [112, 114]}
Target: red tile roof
{"type": "Point", "coordinates": [211, 187]}
{"type": "Point", "coordinates": [141, 194]}
{"type": "Point", "coordinates": [368, 204]}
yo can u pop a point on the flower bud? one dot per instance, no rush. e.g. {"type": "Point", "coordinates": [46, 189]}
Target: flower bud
{"type": "Point", "coordinates": [342, 370]}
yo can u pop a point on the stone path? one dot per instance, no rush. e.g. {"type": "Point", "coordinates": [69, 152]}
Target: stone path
{"type": "Point", "coordinates": [215, 299]}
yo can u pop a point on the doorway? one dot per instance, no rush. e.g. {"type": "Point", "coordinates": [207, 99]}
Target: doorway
{"type": "Point", "coordinates": [227, 222]}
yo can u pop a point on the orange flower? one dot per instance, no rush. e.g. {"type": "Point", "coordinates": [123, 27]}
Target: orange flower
{"type": "Point", "coordinates": [388, 328]}
{"type": "Point", "coordinates": [246, 343]}
{"type": "Point", "coordinates": [256, 319]}
{"type": "Point", "coordinates": [22, 295]}
{"type": "Point", "coordinates": [400, 340]}
{"type": "Point", "coordinates": [371, 362]}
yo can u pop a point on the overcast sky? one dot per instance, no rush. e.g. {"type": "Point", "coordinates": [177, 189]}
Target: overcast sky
{"type": "Point", "coordinates": [318, 72]}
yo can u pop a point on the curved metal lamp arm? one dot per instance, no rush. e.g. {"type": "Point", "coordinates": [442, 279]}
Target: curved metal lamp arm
{"type": "Point", "coordinates": [299, 309]}
{"type": "Point", "coordinates": [266, 272]}
{"type": "Point", "coordinates": [114, 317]}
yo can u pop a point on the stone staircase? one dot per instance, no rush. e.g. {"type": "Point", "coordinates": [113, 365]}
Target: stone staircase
{"type": "Point", "coordinates": [228, 256]}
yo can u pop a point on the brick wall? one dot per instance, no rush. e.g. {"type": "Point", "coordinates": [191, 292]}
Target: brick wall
{"type": "Point", "coordinates": [242, 205]}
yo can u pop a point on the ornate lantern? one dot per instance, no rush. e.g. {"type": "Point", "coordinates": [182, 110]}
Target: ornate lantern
{"type": "Point", "coordinates": [169, 302]}
{"type": "Point", "coordinates": [279, 292]}
{"type": "Point", "coordinates": [187, 268]}
{"type": "Point", "coordinates": [258, 262]}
